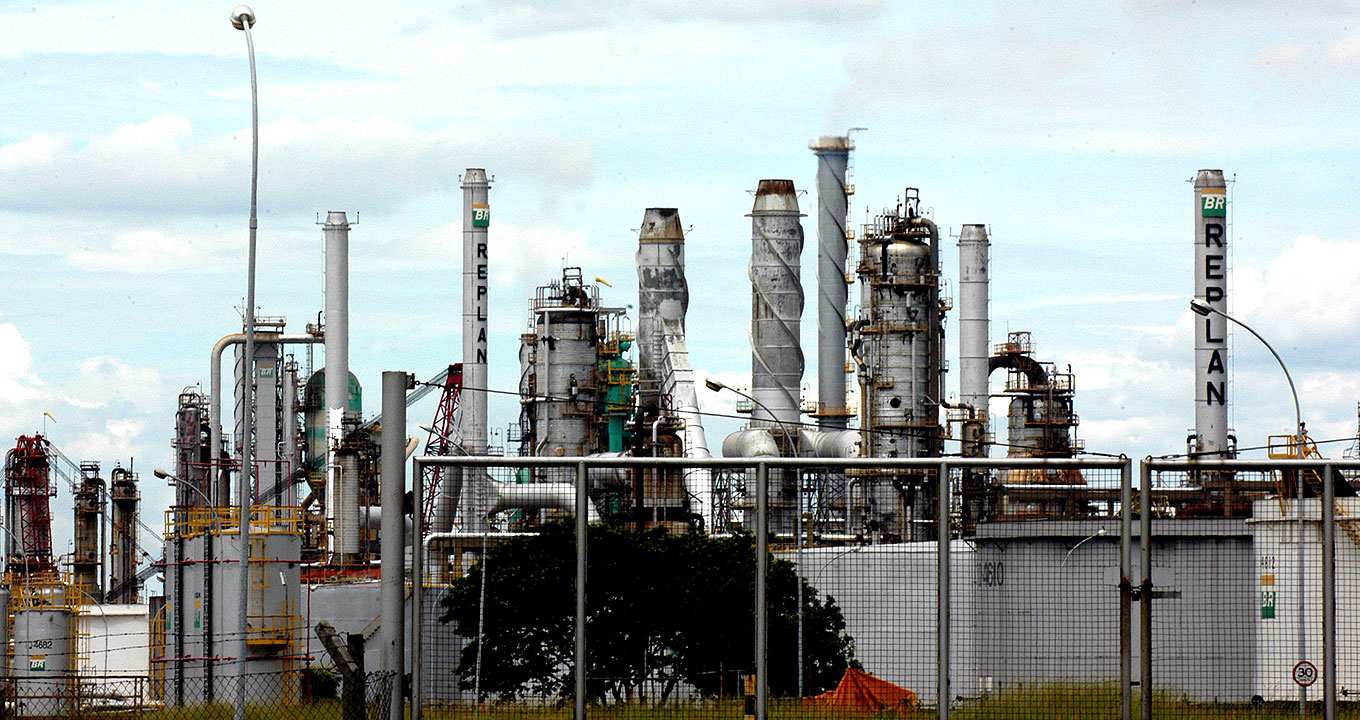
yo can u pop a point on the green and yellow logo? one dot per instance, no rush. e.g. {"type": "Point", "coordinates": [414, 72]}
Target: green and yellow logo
{"type": "Point", "coordinates": [1213, 202]}
{"type": "Point", "coordinates": [481, 216]}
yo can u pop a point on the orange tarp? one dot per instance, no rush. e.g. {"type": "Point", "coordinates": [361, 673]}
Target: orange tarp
{"type": "Point", "coordinates": [859, 692]}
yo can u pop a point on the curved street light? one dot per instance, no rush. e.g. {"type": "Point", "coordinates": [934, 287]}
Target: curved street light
{"type": "Point", "coordinates": [719, 386]}
{"type": "Point", "coordinates": [1202, 308]}
{"type": "Point", "coordinates": [242, 18]}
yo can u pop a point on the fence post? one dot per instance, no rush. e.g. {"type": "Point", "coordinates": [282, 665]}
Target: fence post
{"type": "Point", "coordinates": [417, 589]}
{"type": "Point", "coordinates": [352, 704]}
{"type": "Point", "coordinates": [942, 591]}
{"type": "Point", "coordinates": [1145, 591]}
{"type": "Point", "coordinates": [582, 531]}
{"type": "Point", "coordinates": [393, 540]}
{"type": "Point", "coordinates": [1328, 594]}
{"type": "Point", "coordinates": [762, 571]}
{"type": "Point", "coordinates": [1125, 591]}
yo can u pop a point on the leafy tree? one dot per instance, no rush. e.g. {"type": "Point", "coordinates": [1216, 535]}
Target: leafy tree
{"type": "Point", "coordinates": [669, 608]}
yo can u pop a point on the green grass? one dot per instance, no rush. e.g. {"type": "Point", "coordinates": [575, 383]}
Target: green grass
{"type": "Point", "coordinates": [1050, 702]}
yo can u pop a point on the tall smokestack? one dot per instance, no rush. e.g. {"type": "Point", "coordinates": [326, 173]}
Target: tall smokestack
{"type": "Point", "coordinates": [974, 353]}
{"type": "Point", "coordinates": [833, 156]}
{"type": "Point", "coordinates": [663, 354]}
{"type": "Point", "coordinates": [776, 304]}
{"type": "Point", "coordinates": [1211, 332]}
{"type": "Point", "coordinates": [342, 501]}
{"type": "Point", "coordinates": [663, 294]}
{"type": "Point", "coordinates": [476, 220]}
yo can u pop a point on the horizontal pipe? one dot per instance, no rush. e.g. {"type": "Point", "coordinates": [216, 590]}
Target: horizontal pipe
{"type": "Point", "coordinates": [1230, 465]}
{"type": "Point", "coordinates": [839, 463]}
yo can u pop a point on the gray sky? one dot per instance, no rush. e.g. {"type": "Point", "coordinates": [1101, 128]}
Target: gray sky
{"type": "Point", "coordinates": [1070, 129]}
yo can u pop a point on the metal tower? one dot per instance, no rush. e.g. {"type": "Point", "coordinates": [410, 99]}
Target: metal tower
{"type": "Point", "coordinates": [28, 514]}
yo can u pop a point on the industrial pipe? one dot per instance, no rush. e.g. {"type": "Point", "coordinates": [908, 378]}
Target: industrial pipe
{"type": "Point", "coordinates": [751, 442]}
{"type": "Point", "coordinates": [219, 483]}
{"type": "Point", "coordinates": [830, 443]}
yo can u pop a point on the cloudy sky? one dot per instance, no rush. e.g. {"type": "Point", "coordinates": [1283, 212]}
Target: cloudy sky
{"type": "Point", "coordinates": [1070, 129]}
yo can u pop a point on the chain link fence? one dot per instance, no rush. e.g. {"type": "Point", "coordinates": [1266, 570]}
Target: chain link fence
{"type": "Point", "coordinates": [80, 696]}
{"type": "Point", "coordinates": [864, 588]}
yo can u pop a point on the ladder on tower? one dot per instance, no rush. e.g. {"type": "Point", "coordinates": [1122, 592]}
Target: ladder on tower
{"type": "Point", "coordinates": [1282, 447]}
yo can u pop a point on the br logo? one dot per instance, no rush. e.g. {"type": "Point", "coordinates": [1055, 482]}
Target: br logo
{"type": "Point", "coordinates": [1215, 203]}
{"type": "Point", "coordinates": [481, 216]}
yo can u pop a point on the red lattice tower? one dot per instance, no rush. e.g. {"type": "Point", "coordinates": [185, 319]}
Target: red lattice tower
{"type": "Point", "coordinates": [440, 442]}
{"type": "Point", "coordinates": [28, 489]}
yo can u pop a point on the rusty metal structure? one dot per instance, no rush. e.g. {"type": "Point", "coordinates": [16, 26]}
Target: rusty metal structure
{"type": "Point", "coordinates": [87, 557]}
{"type": "Point", "coordinates": [28, 513]}
{"type": "Point", "coordinates": [443, 440]}
{"type": "Point", "coordinates": [1041, 422]}
{"type": "Point", "coordinates": [124, 514]}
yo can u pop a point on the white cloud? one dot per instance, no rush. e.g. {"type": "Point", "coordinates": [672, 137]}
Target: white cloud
{"type": "Point", "coordinates": [528, 18]}
{"type": "Point", "coordinates": [153, 251]}
{"type": "Point", "coordinates": [373, 162]}
{"type": "Point", "coordinates": [1305, 298]}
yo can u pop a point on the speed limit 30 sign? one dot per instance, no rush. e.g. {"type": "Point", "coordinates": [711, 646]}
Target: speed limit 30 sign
{"type": "Point", "coordinates": [1305, 673]}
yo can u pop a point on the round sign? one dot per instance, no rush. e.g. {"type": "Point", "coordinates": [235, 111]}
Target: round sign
{"type": "Point", "coordinates": [1305, 673]}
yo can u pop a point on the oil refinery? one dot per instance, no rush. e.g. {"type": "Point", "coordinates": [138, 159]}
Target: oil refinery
{"type": "Point", "coordinates": [599, 380]}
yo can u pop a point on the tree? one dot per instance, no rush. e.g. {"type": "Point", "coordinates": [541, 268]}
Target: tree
{"type": "Point", "coordinates": [667, 608]}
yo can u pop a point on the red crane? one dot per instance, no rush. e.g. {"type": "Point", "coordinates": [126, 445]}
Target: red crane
{"type": "Point", "coordinates": [441, 441]}
{"type": "Point", "coordinates": [28, 489]}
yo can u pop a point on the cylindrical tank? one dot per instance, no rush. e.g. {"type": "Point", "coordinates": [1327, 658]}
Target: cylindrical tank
{"type": "Point", "coordinates": [663, 294]}
{"type": "Point", "coordinates": [476, 221]}
{"type": "Point", "coordinates": [1211, 331]}
{"type": "Point", "coordinates": [338, 513]}
{"type": "Point", "coordinates": [776, 304]}
{"type": "Point", "coordinates": [42, 662]}
{"type": "Point", "coordinates": [564, 365]}
{"type": "Point", "coordinates": [833, 157]}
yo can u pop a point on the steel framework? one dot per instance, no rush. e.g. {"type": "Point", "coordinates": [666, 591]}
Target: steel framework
{"type": "Point", "coordinates": [28, 489]}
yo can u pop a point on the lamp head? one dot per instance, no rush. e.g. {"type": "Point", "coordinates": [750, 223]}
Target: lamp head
{"type": "Point", "coordinates": [714, 385]}
{"type": "Point", "coordinates": [1200, 307]}
{"type": "Point", "coordinates": [242, 17]}
{"type": "Point", "coordinates": [162, 474]}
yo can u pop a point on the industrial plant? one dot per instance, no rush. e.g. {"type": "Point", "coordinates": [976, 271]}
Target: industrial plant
{"type": "Point", "coordinates": [602, 380]}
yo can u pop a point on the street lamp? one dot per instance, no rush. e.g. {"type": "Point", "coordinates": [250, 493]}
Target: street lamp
{"type": "Point", "coordinates": [207, 565]}
{"type": "Point", "coordinates": [719, 386]}
{"type": "Point", "coordinates": [242, 18]}
{"type": "Point", "coordinates": [175, 482]}
{"type": "Point", "coordinates": [1203, 308]}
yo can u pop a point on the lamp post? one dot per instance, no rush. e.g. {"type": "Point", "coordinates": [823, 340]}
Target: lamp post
{"type": "Point", "coordinates": [242, 18]}
{"type": "Point", "coordinates": [1203, 308]}
{"type": "Point", "coordinates": [207, 575]}
{"type": "Point", "coordinates": [719, 386]}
